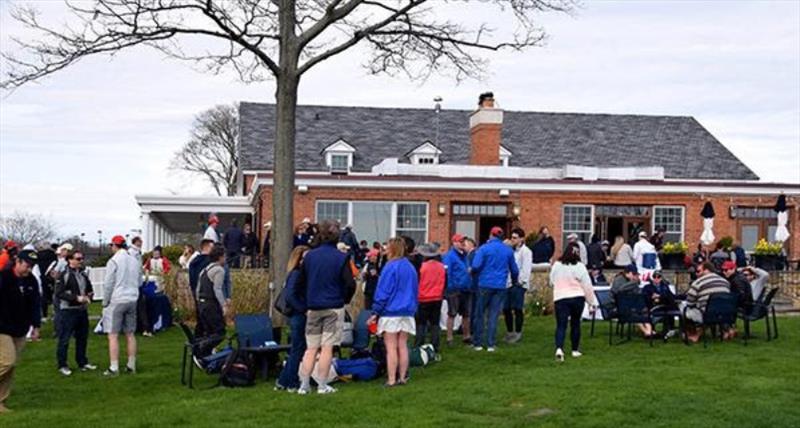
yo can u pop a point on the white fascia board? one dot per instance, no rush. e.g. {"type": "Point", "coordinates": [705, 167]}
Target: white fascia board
{"type": "Point", "coordinates": [164, 203]}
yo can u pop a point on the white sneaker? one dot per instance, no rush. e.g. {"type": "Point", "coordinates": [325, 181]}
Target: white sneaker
{"type": "Point", "coordinates": [303, 391]}
{"type": "Point", "coordinates": [490, 349]}
{"type": "Point", "coordinates": [65, 371]}
{"type": "Point", "coordinates": [88, 367]}
{"type": "Point", "coordinates": [478, 348]}
{"type": "Point", "coordinates": [576, 354]}
{"type": "Point", "coordinates": [559, 355]}
{"type": "Point", "coordinates": [327, 389]}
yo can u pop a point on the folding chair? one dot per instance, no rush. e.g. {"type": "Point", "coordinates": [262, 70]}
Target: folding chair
{"type": "Point", "coordinates": [721, 310]}
{"type": "Point", "coordinates": [605, 306]}
{"type": "Point", "coordinates": [761, 308]}
{"type": "Point", "coordinates": [631, 309]}
{"type": "Point", "coordinates": [254, 336]}
{"type": "Point", "coordinates": [189, 347]}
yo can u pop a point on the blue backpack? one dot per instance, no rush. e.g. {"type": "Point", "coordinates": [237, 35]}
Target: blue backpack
{"type": "Point", "coordinates": [358, 369]}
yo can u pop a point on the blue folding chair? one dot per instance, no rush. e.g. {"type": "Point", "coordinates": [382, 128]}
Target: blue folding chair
{"type": "Point", "coordinates": [254, 336]}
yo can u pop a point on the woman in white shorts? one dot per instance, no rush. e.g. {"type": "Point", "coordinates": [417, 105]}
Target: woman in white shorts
{"type": "Point", "coordinates": [393, 307]}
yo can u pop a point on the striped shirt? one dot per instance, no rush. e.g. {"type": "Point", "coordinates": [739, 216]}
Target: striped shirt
{"type": "Point", "coordinates": [702, 288]}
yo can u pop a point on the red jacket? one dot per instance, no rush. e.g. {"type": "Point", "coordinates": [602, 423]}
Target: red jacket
{"type": "Point", "coordinates": [431, 281]}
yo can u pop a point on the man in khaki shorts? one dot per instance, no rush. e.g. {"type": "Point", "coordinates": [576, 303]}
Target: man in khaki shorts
{"type": "Point", "coordinates": [328, 284]}
{"type": "Point", "coordinates": [120, 293]}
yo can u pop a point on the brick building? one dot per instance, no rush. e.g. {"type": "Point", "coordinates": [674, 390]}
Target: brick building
{"type": "Point", "coordinates": [428, 173]}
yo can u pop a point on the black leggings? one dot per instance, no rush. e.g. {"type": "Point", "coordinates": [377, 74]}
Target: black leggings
{"type": "Point", "coordinates": [514, 319]}
{"type": "Point", "coordinates": [428, 314]}
{"type": "Point", "coordinates": [569, 309]}
{"type": "Point", "coordinates": [210, 329]}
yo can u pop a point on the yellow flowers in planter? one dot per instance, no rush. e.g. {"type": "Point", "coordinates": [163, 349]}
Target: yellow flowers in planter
{"type": "Point", "coordinates": [764, 248]}
{"type": "Point", "coordinates": [675, 248]}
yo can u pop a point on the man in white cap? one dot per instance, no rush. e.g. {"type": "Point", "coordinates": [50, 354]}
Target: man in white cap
{"type": "Point", "coordinates": [645, 256]}
{"type": "Point", "coordinates": [573, 237]}
{"type": "Point", "coordinates": [56, 272]}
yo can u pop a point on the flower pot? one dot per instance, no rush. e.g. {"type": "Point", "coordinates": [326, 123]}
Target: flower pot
{"type": "Point", "coordinates": [769, 263]}
{"type": "Point", "coordinates": [673, 261]}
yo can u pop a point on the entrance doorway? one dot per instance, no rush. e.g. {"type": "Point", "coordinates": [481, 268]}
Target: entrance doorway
{"type": "Point", "coordinates": [477, 220]}
{"type": "Point", "coordinates": [621, 220]}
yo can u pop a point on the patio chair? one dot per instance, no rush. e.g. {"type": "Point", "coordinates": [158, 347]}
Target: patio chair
{"type": "Point", "coordinates": [605, 306]}
{"type": "Point", "coordinates": [254, 336]}
{"type": "Point", "coordinates": [209, 363]}
{"type": "Point", "coordinates": [761, 308]}
{"type": "Point", "coordinates": [721, 310]}
{"type": "Point", "coordinates": [631, 309]}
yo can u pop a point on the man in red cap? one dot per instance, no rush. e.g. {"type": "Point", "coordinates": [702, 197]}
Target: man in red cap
{"type": "Point", "coordinates": [211, 231]}
{"type": "Point", "coordinates": [459, 288]}
{"type": "Point", "coordinates": [739, 285]}
{"type": "Point", "coordinates": [120, 293]}
{"type": "Point", "coordinates": [493, 263]}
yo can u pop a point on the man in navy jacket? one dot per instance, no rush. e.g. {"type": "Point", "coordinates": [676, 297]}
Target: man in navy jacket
{"type": "Point", "coordinates": [329, 285]}
{"type": "Point", "coordinates": [493, 263]}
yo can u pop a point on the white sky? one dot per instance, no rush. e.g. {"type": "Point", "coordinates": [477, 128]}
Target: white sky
{"type": "Point", "coordinates": [78, 145]}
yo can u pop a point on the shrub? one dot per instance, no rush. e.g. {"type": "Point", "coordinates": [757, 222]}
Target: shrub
{"type": "Point", "coordinates": [726, 242]}
{"type": "Point", "coordinates": [171, 252]}
{"type": "Point", "coordinates": [764, 248]}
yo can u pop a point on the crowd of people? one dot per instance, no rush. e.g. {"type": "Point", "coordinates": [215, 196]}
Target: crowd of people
{"type": "Point", "coordinates": [405, 286]}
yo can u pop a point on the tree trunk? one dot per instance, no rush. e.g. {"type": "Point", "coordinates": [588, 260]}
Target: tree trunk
{"type": "Point", "coordinates": [283, 154]}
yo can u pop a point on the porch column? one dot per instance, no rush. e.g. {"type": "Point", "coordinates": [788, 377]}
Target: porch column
{"type": "Point", "coordinates": [147, 225]}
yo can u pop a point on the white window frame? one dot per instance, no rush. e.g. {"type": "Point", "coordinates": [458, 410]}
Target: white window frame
{"type": "Point", "coordinates": [426, 150]}
{"type": "Point", "coordinates": [339, 148]}
{"type": "Point", "coordinates": [393, 220]}
{"type": "Point", "coordinates": [563, 218]}
{"type": "Point", "coordinates": [683, 219]}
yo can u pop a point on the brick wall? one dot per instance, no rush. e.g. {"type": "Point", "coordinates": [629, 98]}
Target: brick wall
{"type": "Point", "coordinates": [543, 208]}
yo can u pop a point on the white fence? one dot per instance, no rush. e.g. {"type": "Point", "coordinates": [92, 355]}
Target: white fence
{"type": "Point", "coordinates": [97, 275]}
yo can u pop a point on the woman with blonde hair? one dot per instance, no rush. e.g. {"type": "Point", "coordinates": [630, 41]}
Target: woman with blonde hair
{"type": "Point", "coordinates": [393, 307]}
{"type": "Point", "coordinates": [296, 300]}
{"type": "Point", "coordinates": [621, 252]}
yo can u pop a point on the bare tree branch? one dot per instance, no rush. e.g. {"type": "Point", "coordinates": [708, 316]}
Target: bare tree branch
{"type": "Point", "coordinates": [27, 228]}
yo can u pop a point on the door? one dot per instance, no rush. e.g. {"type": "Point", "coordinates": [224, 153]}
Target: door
{"type": "Point", "coordinates": [632, 227]}
{"type": "Point", "coordinates": [466, 227]}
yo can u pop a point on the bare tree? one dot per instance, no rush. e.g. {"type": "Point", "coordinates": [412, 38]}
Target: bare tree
{"type": "Point", "coordinates": [211, 149]}
{"type": "Point", "coordinates": [26, 228]}
{"type": "Point", "coordinates": [282, 39]}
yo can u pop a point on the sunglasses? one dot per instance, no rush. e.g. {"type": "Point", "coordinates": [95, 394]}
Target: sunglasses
{"type": "Point", "coordinates": [80, 259]}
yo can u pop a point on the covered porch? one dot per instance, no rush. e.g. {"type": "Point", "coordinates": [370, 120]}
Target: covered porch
{"type": "Point", "coordinates": [166, 218]}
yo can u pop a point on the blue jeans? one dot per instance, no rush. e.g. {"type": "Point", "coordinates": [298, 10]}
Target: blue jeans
{"type": "Point", "coordinates": [569, 311]}
{"type": "Point", "coordinates": [72, 322]}
{"type": "Point", "coordinates": [288, 377]}
{"type": "Point", "coordinates": [489, 300]}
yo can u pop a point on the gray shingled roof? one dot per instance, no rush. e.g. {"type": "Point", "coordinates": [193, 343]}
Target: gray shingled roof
{"type": "Point", "coordinates": [679, 144]}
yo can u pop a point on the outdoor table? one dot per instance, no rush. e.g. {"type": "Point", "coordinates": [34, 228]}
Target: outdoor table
{"type": "Point", "coordinates": [159, 312]}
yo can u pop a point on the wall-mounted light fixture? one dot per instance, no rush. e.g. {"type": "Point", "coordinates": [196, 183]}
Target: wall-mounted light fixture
{"type": "Point", "coordinates": [302, 188]}
{"type": "Point", "coordinates": [516, 209]}
{"type": "Point", "coordinates": [504, 193]}
{"type": "Point", "coordinates": [442, 208]}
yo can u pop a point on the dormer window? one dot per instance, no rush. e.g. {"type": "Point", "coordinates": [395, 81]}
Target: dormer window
{"type": "Point", "coordinates": [424, 154]}
{"type": "Point", "coordinates": [505, 156]}
{"type": "Point", "coordinates": [339, 157]}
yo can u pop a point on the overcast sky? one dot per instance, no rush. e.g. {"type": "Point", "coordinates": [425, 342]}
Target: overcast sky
{"type": "Point", "coordinates": [79, 145]}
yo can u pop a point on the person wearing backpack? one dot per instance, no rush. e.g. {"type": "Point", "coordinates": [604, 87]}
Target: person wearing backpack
{"type": "Point", "coordinates": [328, 285]}
{"type": "Point", "coordinates": [431, 293]}
{"type": "Point", "coordinates": [288, 380]}
{"type": "Point", "coordinates": [211, 306]}
{"type": "Point", "coordinates": [393, 308]}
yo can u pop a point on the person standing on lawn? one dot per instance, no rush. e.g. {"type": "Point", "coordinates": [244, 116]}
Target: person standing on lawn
{"type": "Point", "coordinates": [211, 231]}
{"type": "Point", "coordinates": [515, 293]}
{"type": "Point", "coordinates": [211, 304]}
{"type": "Point", "coordinates": [370, 276]}
{"type": "Point", "coordinates": [430, 296]}
{"type": "Point", "coordinates": [329, 285]}
{"type": "Point", "coordinates": [74, 294]}
{"type": "Point", "coordinates": [288, 380]}
{"type": "Point", "coordinates": [459, 288]}
{"type": "Point", "coordinates": [120, 293]}
{"type": "Point", "coordinates": [233, 240]}
{"type": "Point", "coordinates": [394, 308]}
{"type": "Point", "coordinates": [198, 264]}
{"type": "Point", "coordinates": [135, 250]}
{"type": "Point", "coordinates": [493, 263]}
{"type": "Point", "coordinates": [469, 247]}
{"type": "Point", "coordinates": [572, 288]}
{"type": "Point", "coordinates": [18, 300]}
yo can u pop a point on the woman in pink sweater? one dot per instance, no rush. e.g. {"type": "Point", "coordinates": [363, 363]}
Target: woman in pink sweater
{"type": "Point", "coordinates": [572, 289]}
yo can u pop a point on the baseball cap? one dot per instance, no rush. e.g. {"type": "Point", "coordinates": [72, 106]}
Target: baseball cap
{"type": "Point", "coordinates": [643, 234]}
{"type": "Point", "coordinates": [213, 219]}
{"type": "Point", "coordinates": [306, 220]}
{"type": "Point", "coordinates": [341, 246]}
{"type": "Point", "coordinates": [572, 236]}
{"type": "Point", "coordinates": [10, 244]}
{"type": "Point", "coordinates": [496, 231]}
{"type": "Point", "coordinates": [457, 238]}
{"type": "Point", "coordinates": [65, 246]}
{"type": "Point", "coordinates": [631, 268]}
{"type": "Point", "coordinates": [373, 253]}
{"type": "Point", "coordinates": [28, 256]}
{"type": "Point", "coordinates": [728, 265]}
{"type": "Point", "coordinates": [658, 274]}
{"type": "Point", "coordinates": [118, 240]}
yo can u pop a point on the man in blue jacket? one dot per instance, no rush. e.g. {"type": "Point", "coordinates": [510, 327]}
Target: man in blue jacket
{"type": "Point", "coordinates": [493, 263]}
{"type": "Point", "coordinates": [329, 285]}
{"type": "Point", "coordinates": [459, 288]}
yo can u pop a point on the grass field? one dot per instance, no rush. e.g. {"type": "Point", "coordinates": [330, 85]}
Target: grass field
{"type": "Point", "coordinates": [632, 384]}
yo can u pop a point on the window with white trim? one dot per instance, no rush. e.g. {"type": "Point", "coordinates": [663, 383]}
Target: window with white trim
{"type": "Point", "coordinates": [332, 210]}
{"type": "Point", "coordinates": [671, 219]}
{"type": "Point", "coordinates": [412, 221]}
{"type": "Point", "coordinates": [577, 219]}
{"type": "Point", "coordinates": [340, 162]}
{"type": "Point", "coordinates": [372, 221]}
{"type": "Point", "coordinates": [425, 160]}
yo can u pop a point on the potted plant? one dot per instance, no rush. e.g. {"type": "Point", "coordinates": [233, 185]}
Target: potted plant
{"type": "Point", "coordinates": [769, 255]}
{"type": "Point", "coordinates": [673, 255]}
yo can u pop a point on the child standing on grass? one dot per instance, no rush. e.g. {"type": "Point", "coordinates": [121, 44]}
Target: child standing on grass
{"type": "Point", "coordinates": [393, 308]}
{"type": "Point", "coordinates": [431, 293]}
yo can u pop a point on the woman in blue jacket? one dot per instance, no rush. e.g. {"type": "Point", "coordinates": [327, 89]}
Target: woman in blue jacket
{"type": "Point", "coordinates": [296, 300]}
{"type": "Point", "coordinates": [393, 307]}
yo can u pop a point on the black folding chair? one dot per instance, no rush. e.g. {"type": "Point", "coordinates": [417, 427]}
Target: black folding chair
{"type": "Point", "coordinates": [189, 347]}
{"type": "Point", "coordinates": [605, 306]}
{"type": "Point", "coordinates": [631, 309]}
{"type": "Point", "coordinates": [721, 310]}
{"type": "Point", "coordinates": [761, 308]}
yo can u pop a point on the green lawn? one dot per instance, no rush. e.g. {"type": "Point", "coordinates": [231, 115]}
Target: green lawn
{"type": "Point", "coordinates": [725, 385]}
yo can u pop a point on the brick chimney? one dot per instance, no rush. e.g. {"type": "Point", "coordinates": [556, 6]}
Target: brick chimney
{"type": "Point", "coordinates": [486, 127]}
